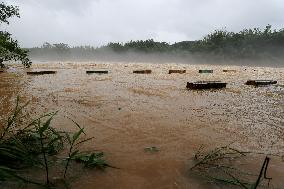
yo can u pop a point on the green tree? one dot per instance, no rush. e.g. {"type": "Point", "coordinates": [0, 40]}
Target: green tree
{"type": "Point", "coordinates": [9, 48]}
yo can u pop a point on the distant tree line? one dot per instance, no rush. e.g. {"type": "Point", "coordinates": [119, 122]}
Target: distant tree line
{"type": "Point", "coordinates": [221, 44]}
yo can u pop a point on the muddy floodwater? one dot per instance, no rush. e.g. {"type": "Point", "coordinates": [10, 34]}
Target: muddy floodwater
{"type": "Point", "coordinates": [128, 112]}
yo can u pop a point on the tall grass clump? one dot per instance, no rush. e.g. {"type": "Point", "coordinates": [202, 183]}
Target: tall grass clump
{"type": "Point", "coordinates": [220, 167]}
{"type": "Point", "coordinates": [38, 145]}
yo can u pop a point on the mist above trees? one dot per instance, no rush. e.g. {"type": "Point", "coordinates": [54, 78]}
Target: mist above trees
{"type": "Point", "coordinates": [220, 45]}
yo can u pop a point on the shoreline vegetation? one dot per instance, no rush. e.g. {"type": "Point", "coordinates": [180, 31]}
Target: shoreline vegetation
{"type": "Point", "coordinates": [39, 146]}
{"type": "Point", "coordinates": [9, 47]}
{"type": "Point", "coordinates": [247, 47]}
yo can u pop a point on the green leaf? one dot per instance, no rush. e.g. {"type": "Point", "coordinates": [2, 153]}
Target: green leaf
{"type": "Point", "coordinates": [46, 124]}
{"type": "Point", "coordinates": [77, 135]}
{"type": "Point", "coordinates": [77, 125]}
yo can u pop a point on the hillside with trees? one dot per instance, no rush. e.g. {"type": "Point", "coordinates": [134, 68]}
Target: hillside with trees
{"type": "Point", "coordinates": [220, 45]}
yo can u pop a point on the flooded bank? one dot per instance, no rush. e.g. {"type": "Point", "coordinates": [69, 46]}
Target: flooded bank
{"type": "Point", "coordinates": [127, 113]}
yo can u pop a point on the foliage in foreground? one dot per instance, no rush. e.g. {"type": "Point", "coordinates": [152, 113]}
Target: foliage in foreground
{"type": "Point", "coordinates": [38, 145]}
{"type": "Point", "coordinates": [218, 166]}
{"type": "Point", "coordinates": [9, 48]}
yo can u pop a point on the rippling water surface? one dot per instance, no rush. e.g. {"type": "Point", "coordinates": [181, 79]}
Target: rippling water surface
{"type": "Point", "coordinates": [127, 112]}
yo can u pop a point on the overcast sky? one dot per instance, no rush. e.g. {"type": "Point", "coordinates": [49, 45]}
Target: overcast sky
{"type": "Point", "coordinates": [97, 22]}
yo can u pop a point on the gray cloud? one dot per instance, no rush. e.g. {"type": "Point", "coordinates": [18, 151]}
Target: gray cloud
{"type": "Point", "coordinates": [97, 22]}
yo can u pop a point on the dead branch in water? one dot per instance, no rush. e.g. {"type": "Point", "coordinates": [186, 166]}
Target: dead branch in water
{"type": "Point", "coordinates": [218, 166]}
{"type": "Point", "coordinates": [263, 168]}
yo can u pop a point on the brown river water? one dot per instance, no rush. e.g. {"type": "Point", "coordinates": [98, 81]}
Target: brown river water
{"type": "Point", "coordinates": [128, 112]}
